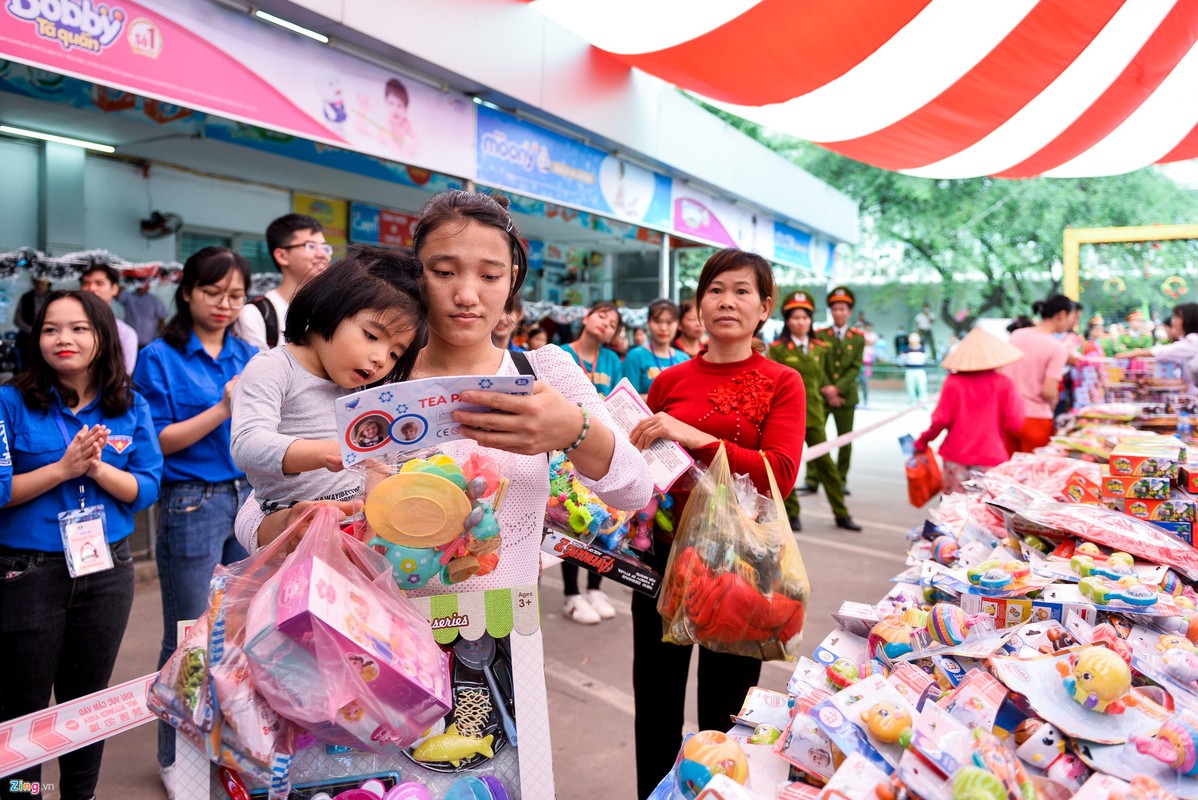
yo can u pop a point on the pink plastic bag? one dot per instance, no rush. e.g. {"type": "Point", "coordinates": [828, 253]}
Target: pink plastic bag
{"type": "Point", "coordinates": [337, 648]}
{"type": "Point", "coordinates": [205, 690]}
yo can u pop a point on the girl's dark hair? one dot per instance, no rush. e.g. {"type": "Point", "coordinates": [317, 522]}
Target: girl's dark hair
{"type": "Point", "coordinates": [1188, 313]}
{"type": "Point", "coordinates": [389, 282]}
{"type": "Point", "coordinates": [661, 306]}
{"type": "Point", "coordinates": [205, 267]}
{"type": "Point", "coordinates": [729, 259]}
{"type": "Point", "coordinates": [460, 207]}
{"type": "Point", "coordinates": [1053, 305]}
{"type": "Point", "coordinates": [686, 307]}
{"type": "Point", "coordinates": [1022, 321]}
{"type": "Point", "coordinates": [607, 305]}
{"type": "Point", "coordinates": [37, 378]}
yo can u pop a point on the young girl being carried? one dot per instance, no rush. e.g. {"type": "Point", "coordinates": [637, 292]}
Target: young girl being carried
{"type": "Point", "coordinates": [358, 323]}
{"type": "Point", "coordinates": [474, 262]}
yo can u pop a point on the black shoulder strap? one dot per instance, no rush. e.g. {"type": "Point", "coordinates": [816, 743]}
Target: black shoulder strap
{"type": "Point", "coordinates": [270, 317]}
{"type": "Point", "coordinates": [523, 366]}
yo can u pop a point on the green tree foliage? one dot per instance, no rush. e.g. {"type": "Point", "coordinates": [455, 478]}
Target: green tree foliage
{"type": "Point", "coordinates": [996, 244]}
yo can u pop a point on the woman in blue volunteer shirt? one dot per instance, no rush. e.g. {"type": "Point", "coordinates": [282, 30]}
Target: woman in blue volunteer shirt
{"type": "Point", "coordinates": [646, 362]}
{"type": "Point", "coordinates": [603, 368]}
{"type": "Point", "coordinates": [78, 436]}
{"type": "Point", "coordinates": [187, 377]}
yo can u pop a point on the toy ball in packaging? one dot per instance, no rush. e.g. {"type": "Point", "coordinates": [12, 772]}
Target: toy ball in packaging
{"type": "Point", "coordinates": [430, 519]}
{"type": "Point", "coordinates": [705, 755]}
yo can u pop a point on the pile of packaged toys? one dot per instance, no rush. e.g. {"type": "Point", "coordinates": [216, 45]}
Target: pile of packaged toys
{"type": "Point", "coordinates": [1144, 380]}
{"type": "Point", "coordinates": [1041, 643]}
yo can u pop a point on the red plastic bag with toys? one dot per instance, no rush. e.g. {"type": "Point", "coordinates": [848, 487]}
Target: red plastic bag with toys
{"type": "Point", "coordinates": [735, 581]}
{"type": "Point", "coordinates": [923, 477]}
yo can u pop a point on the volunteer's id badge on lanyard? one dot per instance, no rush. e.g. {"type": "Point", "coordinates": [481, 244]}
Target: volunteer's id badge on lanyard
{"type": "Point", "coordinates": [84, 530]}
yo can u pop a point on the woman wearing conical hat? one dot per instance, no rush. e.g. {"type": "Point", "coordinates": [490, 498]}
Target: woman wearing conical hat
{"type": "Point", "coordinates": [977, 406]}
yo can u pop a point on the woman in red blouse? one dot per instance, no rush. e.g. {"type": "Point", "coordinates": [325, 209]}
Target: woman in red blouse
{"type": "Point", "coordinates": [732, 394]}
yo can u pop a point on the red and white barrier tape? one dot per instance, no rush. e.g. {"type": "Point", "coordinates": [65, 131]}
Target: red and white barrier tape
{"type": "Point", "coordinates": [810, 453]}
{"type": "Point", "coordinates": [47, 734]}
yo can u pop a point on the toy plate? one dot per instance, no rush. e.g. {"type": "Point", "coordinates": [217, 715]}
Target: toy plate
{"type": "Point", "coordinates": [417, 509]}
{"type": "Point", "coordinates": [464, 677]}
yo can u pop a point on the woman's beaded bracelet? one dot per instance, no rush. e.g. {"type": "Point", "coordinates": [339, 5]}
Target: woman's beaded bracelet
{"type": "Point", "coordinates": [586, 426]}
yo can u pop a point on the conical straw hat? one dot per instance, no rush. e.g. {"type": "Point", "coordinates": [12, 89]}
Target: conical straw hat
{"type": "Point", "coordinates": [980, 350]}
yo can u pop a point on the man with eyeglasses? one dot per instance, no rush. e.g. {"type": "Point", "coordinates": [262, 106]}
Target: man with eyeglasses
{"type": "Point", "coordinates": [297, 245]}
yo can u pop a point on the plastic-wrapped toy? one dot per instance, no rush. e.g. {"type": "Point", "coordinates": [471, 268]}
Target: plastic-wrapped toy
{"type": "Point", "coordinates": [1126, 590]}
{"type": "Point", "coordinates": [944, 549]}
{"type": "Point", "coordinates": [948, 625]}
{"type": "Point", "coordinates": [640, 527]}
{"type": "Point", "coordinates": [1043, 746]}
{"type": "Point", "coordinates": [1117, 565]}
{"type": "Point", "coordinates": [575, 510]}
{"type": "Point", "coordinates": [891, 638]}
{"type": "Point", "coordinates": [1175, 744]}
{"type": "Point", "coordinates": [431, 521]}
{"type": "Point", "coordinates": [1097, 678]}
{"type": "Point", "coordinates": [1107, 634]}
{"type": "Point", "coordinates": [704, 755]}
{"type": "Point", "coordinates": [452, 747]}
{"type": "Point", "coordinates": [765, 734]}
{"type": "Point", "coordinates": [1180, 664]}
{"type": "Point", "coordinates": [1168, 641]}
{"type": "Point", "coordinates": [887, 721]}
{"type": "Point", "coordinates": [996, 759]}
{"type": "Point", "coordinates": [974, 783]}
{"type": "Point", "coordinates": [842, 672]}
{"type": "Point", "coordinates": [996, 576]}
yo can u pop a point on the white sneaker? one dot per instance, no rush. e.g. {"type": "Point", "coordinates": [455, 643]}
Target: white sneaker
{"type": "Point", "coordinates": [601, 604]}
{"type": "Point", "coordinates": [170, 781]}
{"type": "Point", "coordinates": [578, 610]}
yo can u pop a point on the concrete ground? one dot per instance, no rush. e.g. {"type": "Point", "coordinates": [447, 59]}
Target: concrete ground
{"type": "Point", "coordinates": [589, 668]}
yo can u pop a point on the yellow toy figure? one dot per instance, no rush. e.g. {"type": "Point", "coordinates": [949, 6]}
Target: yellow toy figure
{"type": "Point", "coordinates": [1098, 679]}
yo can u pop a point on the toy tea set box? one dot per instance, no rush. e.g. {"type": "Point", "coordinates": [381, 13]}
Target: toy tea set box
{"type": "Point", "coordinates": [431, 518]}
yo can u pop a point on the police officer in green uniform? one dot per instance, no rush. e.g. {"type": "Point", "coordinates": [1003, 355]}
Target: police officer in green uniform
{"type": "Point", "coordinates": [798, 349]}
{"type": "Point", "coordinates": [846, 353]}
{"type": "Point", "coordinates": [1139, 333]}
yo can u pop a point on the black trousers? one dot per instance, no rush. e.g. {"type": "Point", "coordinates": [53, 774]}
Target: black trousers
{"type": "Point", "coordinates": [69, 630]}
{"type": "Point", "coordinates": [659, 674]}
{"type": "Point", "coordinates": [570, 579]}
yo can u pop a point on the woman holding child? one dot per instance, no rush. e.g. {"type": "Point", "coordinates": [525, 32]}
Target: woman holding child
{"type": "Point", "coordinates": [473, 263]}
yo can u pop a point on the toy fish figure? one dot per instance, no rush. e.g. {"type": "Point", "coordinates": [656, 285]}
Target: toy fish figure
{"type": "Point", "coordinates": [451, 746]}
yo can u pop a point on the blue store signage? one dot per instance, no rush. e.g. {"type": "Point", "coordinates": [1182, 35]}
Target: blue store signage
{"type": "Point", "coordinates": [531, 160]}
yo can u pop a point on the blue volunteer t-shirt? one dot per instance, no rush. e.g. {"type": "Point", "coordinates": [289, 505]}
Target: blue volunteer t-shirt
{"type": "Point", "coordinates": [604, 373]}
{"type": "Point", "coordinates": [180, 385]}
{"type": "Point", "coordinates": [641, 366]}
{"type": "Point", "coordinates": [36, 440]}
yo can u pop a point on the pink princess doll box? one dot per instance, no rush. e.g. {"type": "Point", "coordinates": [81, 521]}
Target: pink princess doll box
{"type": "Point", "coordinates": [390, 644]}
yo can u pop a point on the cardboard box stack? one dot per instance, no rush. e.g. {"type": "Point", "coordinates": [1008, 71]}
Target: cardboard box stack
{"type": "Point", "coordinates": [1148, 477]}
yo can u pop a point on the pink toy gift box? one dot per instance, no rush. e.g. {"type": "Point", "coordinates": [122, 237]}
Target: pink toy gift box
{"type": "Point", "coordinates": [390, 644]}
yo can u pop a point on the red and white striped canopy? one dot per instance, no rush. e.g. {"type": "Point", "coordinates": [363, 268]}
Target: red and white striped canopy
{"type": "Point", "coordinates": [937, 88]}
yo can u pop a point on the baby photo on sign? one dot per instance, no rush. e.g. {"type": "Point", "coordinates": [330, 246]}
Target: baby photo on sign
{"type": "Point", "coordinates": [408, 428]}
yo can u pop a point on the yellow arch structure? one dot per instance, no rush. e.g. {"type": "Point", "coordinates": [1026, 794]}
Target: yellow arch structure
{"type": "Point", "coordinates": [1076, 237]}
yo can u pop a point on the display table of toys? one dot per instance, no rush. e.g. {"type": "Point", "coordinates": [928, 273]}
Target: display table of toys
{"type": "Point", "coordinates": [1041, 643]}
